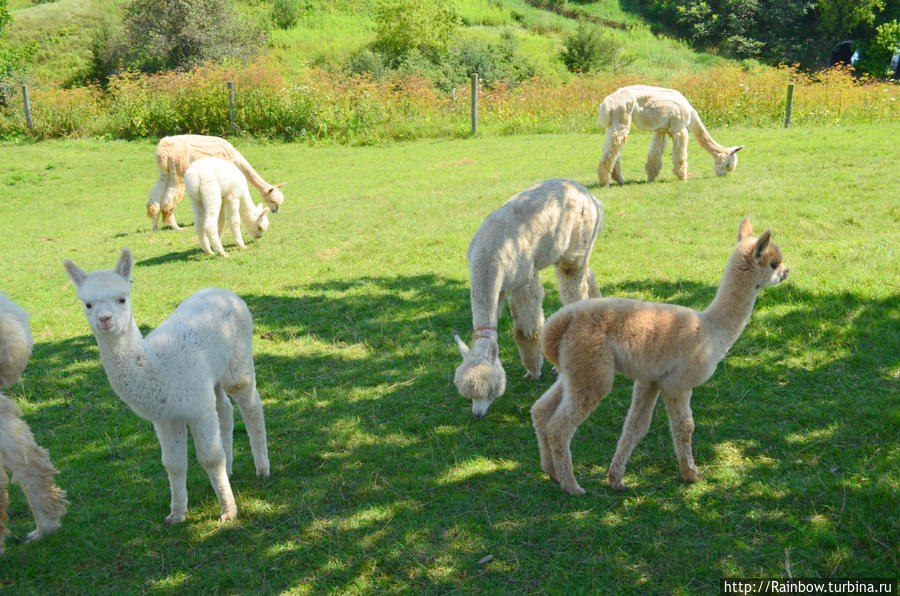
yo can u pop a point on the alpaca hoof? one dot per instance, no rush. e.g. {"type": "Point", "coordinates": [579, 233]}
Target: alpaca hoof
{"type": "Point", "coordinates": [533, 375]}
{"type": "Point", "coordinates": [228, 516]}
{"type": "Point", "coordinates": [575, 491]}
{"type": "Point", "coordinates": [174, 518]}
{"type": "Point", "coordinates": [33, 535]}
{"type": "Point", "coordinates": [692, 474]}
{"type": "Point", "coordinates": [617, 484]}
{"type": "Point", "coordinates": [262, 472]}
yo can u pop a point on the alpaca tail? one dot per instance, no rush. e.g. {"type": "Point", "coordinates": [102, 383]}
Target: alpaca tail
{"type": "Point", "coordinates": [554, 331]}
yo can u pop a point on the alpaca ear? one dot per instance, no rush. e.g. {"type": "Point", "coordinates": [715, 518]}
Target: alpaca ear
{"type": "Point", "coordinates": [736, 149]}
{"type": "Point", "coordinates": [745, 229]}
{"type": "Point", "coordinates": [761, 244]}
{"type": "Point", "coordinates": [125, 264]}
{"type": "Point", "coordinates": [463, 348]}
{"type": "Point", "coordinates": [280, 184]}
{"type": "Point", "coordinates": [76, 273]}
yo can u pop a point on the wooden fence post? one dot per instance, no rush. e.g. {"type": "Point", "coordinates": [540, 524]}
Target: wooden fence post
{"type": "Point", "coordinates": [474, 103]}
{"type": "Point", "coordinates": [27, 106]}
{"type": "Point", "coordinates": [231, 106]}
{"type": "Point", "coordinates": [789, 106]}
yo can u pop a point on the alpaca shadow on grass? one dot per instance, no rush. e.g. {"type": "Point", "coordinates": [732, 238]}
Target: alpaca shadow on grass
{"type": "Point", "coordinates": [193, 254]}
{"type": "Point", "coordinates": [375, 456]}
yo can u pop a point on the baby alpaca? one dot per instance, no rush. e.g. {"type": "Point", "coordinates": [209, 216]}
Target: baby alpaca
{"type": "Point", "coordinates": [552, 223]}
{"type": "Point", "coordinates": [219, 193]}
{"type": "Point", "coordinates": [28, 463]}
{"type": "Point", "coordinates": [666, 112]}
{"type": "Point", "coordinates": [173, 157]}
{"type": "Point", "coordinates": [178, 376]}
{"type": "Point", "coordinates": [663, 347]}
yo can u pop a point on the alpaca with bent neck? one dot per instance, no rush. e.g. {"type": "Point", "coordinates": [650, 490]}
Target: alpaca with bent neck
{"type": "Point", "coordinates": [664, 348]}
{"type": "Point", "coordinates": [666, 113]}
{"type": "Point", "coordinates": [554, 222]}
{"type": "Point", "coordinates": [180, 375]}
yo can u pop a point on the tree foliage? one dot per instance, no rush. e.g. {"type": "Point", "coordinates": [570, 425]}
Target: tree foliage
{"type": "Point", "coordinates": [426, 26]}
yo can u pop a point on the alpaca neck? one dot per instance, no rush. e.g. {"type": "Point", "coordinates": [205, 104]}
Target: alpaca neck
{"type": "Point", "coordinates": [703, 137]}
{"type": "Point", "coordinates": [485, 294]}
{"type": "Point", "coordinates": [125, 360]}
{"type": "Point", "coordinates": [252, 177]}
{"type": "Point", "coordinates": [731, 308]}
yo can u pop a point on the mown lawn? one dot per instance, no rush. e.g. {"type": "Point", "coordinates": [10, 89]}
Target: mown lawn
{"type": "Point", "coordinates": [381, 479]}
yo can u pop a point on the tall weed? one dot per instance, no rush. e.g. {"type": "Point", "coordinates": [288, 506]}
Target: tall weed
{"type": "Point", "coordinates": [319, 105]}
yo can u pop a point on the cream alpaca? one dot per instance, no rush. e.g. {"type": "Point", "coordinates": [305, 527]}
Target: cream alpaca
{"type": "Point", "coordinates": [663, 347]}
{"type": "Point", "coordinates": [552, 223]}
{"type": "Point", "coordinates": [178, 376]}
{"type": "Point", "coordinates": [219, 193]}
{"type": "Point", "coordinates": [28, 463]}
{"type": "Point", "coordinates": [666, 112]}
{"type": "Point", "coordinates": [173, 157]}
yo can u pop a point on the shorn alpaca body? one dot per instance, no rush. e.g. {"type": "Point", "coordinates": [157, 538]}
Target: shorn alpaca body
{"type": "Point", "coordinates": [664, 348]}
{"type": "Point", "coordinates": [178, 376]}
{"type": "Point", "coordinates": [27, 462]}
{"type": "Point", "coordinates": [552, 223]}
{"type": "Point", "coordinates": [666, 113]}
{"type": "Point", "coordinates": [173, 157]}
{"type": "Point", "coordinates": [219, 195]}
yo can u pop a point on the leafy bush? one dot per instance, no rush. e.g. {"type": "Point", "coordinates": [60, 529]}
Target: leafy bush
{"type": "Point", "coordinates": [405, 25]}
{"type": "Point", "coordinates": [285, 13]}
{"type": "Point", "coordinates": [591, 47]}
{"type": "Point", "coordinates": [876, 55]}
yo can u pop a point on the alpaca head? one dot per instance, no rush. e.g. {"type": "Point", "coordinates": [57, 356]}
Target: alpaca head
{"type": "Point", "coordinates": [274, 198]}
{"type": "Point", "coordinates": [727, 161]}
{"type": "Point", "coordinates": [760, 255]}
{"type": "Point", "coordinates": [15, 341]}
{"type": "Point", "coordinates": [105, 295]}
{"type": "Point", "coordinates": [480, 377]}
{"type": "Point", "coordinates": [261, 223]}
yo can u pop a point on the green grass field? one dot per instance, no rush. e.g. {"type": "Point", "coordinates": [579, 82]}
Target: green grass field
{"type": "Point", "coordinates": [381, 479]}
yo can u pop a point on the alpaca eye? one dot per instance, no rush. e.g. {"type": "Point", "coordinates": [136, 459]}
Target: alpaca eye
{"type": "Point", "coordinates": [88, 305]}
{"type": "Point", "coordinates": [774, 265]}
{"type": "Point", "coordinates": [121, 301]}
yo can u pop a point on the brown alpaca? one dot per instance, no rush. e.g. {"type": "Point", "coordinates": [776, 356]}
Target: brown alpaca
{"type": "Point", "coordinates": [663, 347]}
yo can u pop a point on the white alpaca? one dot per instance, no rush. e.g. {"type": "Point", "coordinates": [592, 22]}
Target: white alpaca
{"type": "Point", "coordinates": [173, 157]}
{"type": "Point", "coordinates": [28, 463]}
{"type": "Point", "coordinates": [666, 112]}
{"type": "Point", "coordinates": [663, 347]}
{"type": "Point", "coordinates": [178, 375]}
{"type": "Point", "coordinates": [219, 193]}
{"type": "Point", "coordinates": [552, 223]}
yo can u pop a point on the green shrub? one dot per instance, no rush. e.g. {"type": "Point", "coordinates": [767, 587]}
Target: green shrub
{"type": "Point", "coordinates": [285, 13]}
{"type": "Point", "coordinates": [405, 25]}
{"type": "Point", "coordinates": [876, 55]}
{"type": "Point", "coordinates": [591, 47]}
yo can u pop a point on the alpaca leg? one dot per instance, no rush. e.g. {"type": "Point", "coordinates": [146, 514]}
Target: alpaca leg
{"type": "Point", "coordinates": [4, 504]}
{"type": "Point", "coordinates": [616, 136]}
{"type": "Point", "coordinates": [583, 388]}
{"type": "Point", "coordinates": [250, 405]}
{"type": "Point", "coordinates": [525, 306]}
{"type": "Point", "coordinates": [173, 444]}
{"type": "Point", "coordinates": [643, 398]}
{"type": "Point", "coordinates": [210, 229]}
{"type": "Point", "coordinates": [234, 220]}
{"type": "Point", "coordinates": [679, 154]}
{"type": "Point", "coordinates": [225, 411]}
{"type": "Point", "coordinates": [46, 501]}
{"type": "Point", "coordinates": [654, 157]}
{"type": "Point", "coordinates": [174, 194]}
{"type": "Point", "coordinates": [681, 424]}
{"type": "Point", "coordinates": [156, 198]}
{"type": "Point", "coordinates": [541, 412]}
{"type": "Point", "coordinates": [576, 282]}
{"type": "Point", "coordinates": [617, 170]}
{"type": "Point", "coordinates": [211, 455]}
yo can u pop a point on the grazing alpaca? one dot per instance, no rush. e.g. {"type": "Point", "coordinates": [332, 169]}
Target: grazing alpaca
{"type": "Point", "coordinates": [663, 347]}
{"type": "Point", "coordinates": [552, 223]}
{"type": "Point", "coordinates": [219, 193]}
{"type": "Point", "coordinates": [28, 463]}
{"type": "Point", "coordinates": [178, 375]}
{"type": "Point", "coordinates": [173, 157]}
{"type": "Point", "coordinates": [665, 112]}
